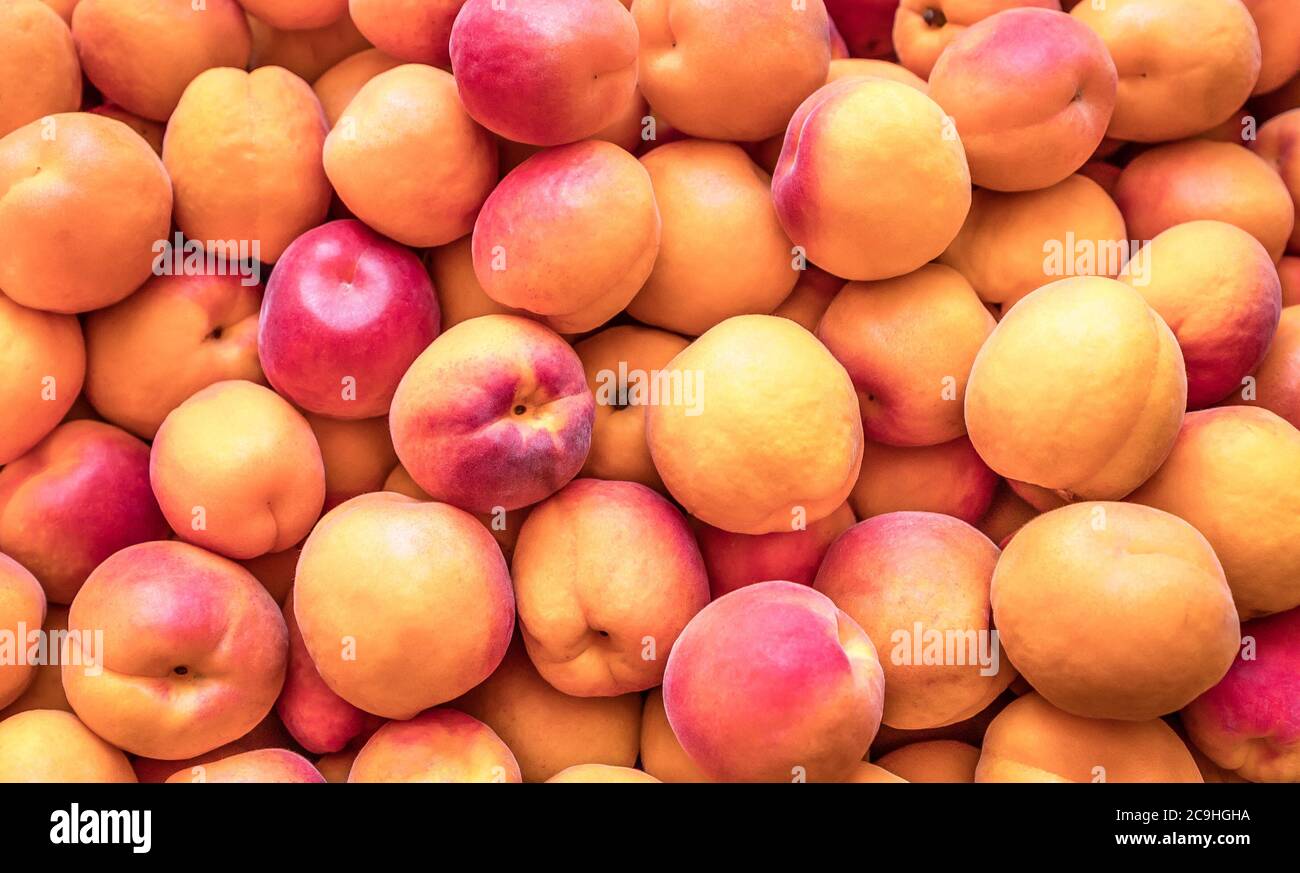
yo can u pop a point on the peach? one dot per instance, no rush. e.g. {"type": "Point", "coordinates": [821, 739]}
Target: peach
{"type": "Point", "coordinates": [45, 690]}
{"type": "Point", "coordinates": [260, 765]}
{"type": "Point", "coordinates": [775, 438]}
{"type": "Point", "coordinates": [174, 336]}
{"type": "Point", "coordinates": [22, 611]}
{"type": "Point", "coordinates": [871, 773]}
{"type": "Point", "coordinates": [908, 345]}
{"type": "Point", "coordinates": [1278, 143]}
{"type": "Point", "coordinates": [590, 773]}
{"type": "Point", "coordinates": [932, 761]}
{"type": "Point", "coordinates": [83, 199]}
{"type": "Point", "coordinates": [79, 496]}
{"type": "Point", "coordinates": [244, 153]}
{"type": "Point", "coordinates": [1114, 610]}
{"type": "Point", "coordinates": [547, 72]}
{"type": "Point", "coordinates": [1277, 379]}
{"type": "Point", "coordinates": [504, 526]}
{"type": "Point", "coordinates": [42, 366]}
{"type": "Point", "coordinates": [620, 363]}
{"type": "Point", "coordinates": [1278, 22]}
{"type": "Point", "coordinates": [661, 755]}
{"type": "Point", "coordinates": [735, 560]}
{"type": "Point", "coordinates": [865, 25]}
{"type": "Point", "coordinates": [772, 683]}
{"type": "Point", "coordinates": [441, 745]}
{"type": "Point", "coordinates": [1014, 243]}
{"type": "Point", "coordinates": [358, 456]}
{"type": "Point", "coordinates": [496, 412]}
{"type": "Point", "coordinates": [918, 585]}
{"type": "Point", "coordinates": [1031, 92]}
{"type": "Point", "coordinates": [345, 313]}
{"type": "Point", "coordinates": [403, 604]}
{"type": "Point", "coordinates": [1006, 514]}
{"type": "Point", "coordinates": [414, 31]}
{"type": "Point", "coordinates": [1033, 408]}
{"type": "Point", "coordinates": [948, 478]}
{"type": "Point", "coordinates": [812, 295]}
{"type": "Point", "coordinates": [141, 54]}
{"type": "Point", "coordinates": [1033, 741]}
{"type": "Point", "coordinates": [1234, 473]}
{"type": "Point", "coordinates": [340, 83]}
{"type": "Point", "coordinates": [1249, 723]}
{"type": "Point", "coordinates": [1199, 179]}
{"type": "Point", "coordinates": [591, 624]}
{"type": "Point", "coordinates": [922, 29]}
{"type": "Point", "coordinates": [460, 296]}
{"type": "Point", "coordinates": [892, 147]}
{"type": "Point", "coordinates": [711, 194]}
{"type": "Point", "coordinates": [733, 71]}
{"type": "Point", "coordinates": [39, 71]}
{"type": "Point", "coordinates": [548, 730]}
{"type": "Point", "coordinates": [1218, 291]}
{"type": "Point", "coordinates": [1184, 65]}
{"type": "Point", "coordinates": [45, 745]}
{"type": "Point", "coordinates": [191, 655]}
{"type": "Point", "coordinates": [408, 160]}
{"type": "Point", "coordinates": [525, 235]}
{"type": "Point", "coordinates": [297, 14]}
{"type": "Point", "coordinates": [305, 53]}
{"type": "Point", "coordinates": [237, 470]}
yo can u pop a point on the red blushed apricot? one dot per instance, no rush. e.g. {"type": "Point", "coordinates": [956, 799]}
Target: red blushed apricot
{"type": "Point", "coordinates": [408, 160]}
{"type": "Point", "coordinates": [151, 131]}
{"type": "Point", "coordinates": [772, 683]}
{"type": "Point", "coordinates": [495, 413]}
{"type": "Point", "coordinates": [42, 367]}
{"type": "Point", "coordinates": [546, 72]}
{"type": "Point", "coordinates": [403, 604]}
{"type": "Point", "coordinates": [1216, 288]}
{"type": "Point", "coordinates": [237, 470]}
{"type": "Point", "coordinates": [813, 292]}
{"type": "Point", "coordinates": [244, 153]}
{"type": "Point", "coordinates": [297, 14]}
{"type": "Point", "coordinates": [662, 755]}
{"type": "Point", "coordinates": [908, 345]}
{"type": "Point", "coordinates": [1278, 143]}
{"type": "Point", "coordinates": [274, 766]}
{"type": "Point", "coordinates": [1184, 65]}
{"type": "Point", "coordinates": [922, 29]}
{"type": "Point", "coordinates": [460, 296]}
{"type": "Point", "coordinates": [1198, 179]}
{"type": "Point", "coordinates": [591, 624]}
{"type": "Point", "coordinates": [305, 53]}
{"type": "Point", "coordinates": [340, 83]}
{"type": "Point", "coordinates": [413, 31]}
{"type": "Point", "coordinates": [1278, 22]}
{"type": "Point", "coordinates": [1277, 379]}
{"type": "Point", "coordinates": [441, 745]}
{"type": "Point", "coordinates": [864, 25]}
{"type": "Point", "coordinates": [48, 746]}
{"type": "Point", "coordinates": [22, 609]}
{"type": "Point", "coordinates": [525, 235]}
{"type": "Point", "coordinates": [910, 578]}
{"type": "Point", "coordinates": [1031, 92]}
{"type": "Point", "coordinates": [193, 651]}
{"type": "Point", "coordinates": [894, 148]}
{"type": "Point", "coordinates": [83, 201]}
{"type": "Point", "coordinates": [932, 761]}
{"type": "Point", "coordinates": [735, 560]}
{"type": "Point", "coordinates": [79, 496]}
{"type": "Point", "coordinates": [948, 478]}
{"type": "Point", "coordinates": [358, 455]}
{"type": "Point", "coordinates": [142, 53]}
{"type": "Point", "coordinates": [39, 71]}
{"type": "Point", "coordinates": [586, 774]}
{"type": "Point", "coordinates": [734, 71]}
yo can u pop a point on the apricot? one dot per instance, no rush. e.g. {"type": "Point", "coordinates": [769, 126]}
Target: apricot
{"type": "Point", "coordinates": [407, 159]}
{"type": "Point", "coordinates": [1028, 116]}
{"type": "Point", "coordinates": [772, 683]}
{"type": "Point", "coordinates": [864, 25]}
{"type": "Point", "coordinates": [662, 756]}
{"type": "Point", "coordinates": [764, 429]}
{"type": "Point", "coordinates": [948, 478]}
{"type": "Point", "coordinates": [812, 295]}
{"type": "Point", "coordinates": [1278, 23]}
{"type": "Point", "coordinates": [275, 571]}
{"type": "Point", "coordinates": [932, 761]}
{"type": "Point", "coordinates": [42, 366]}
{"type": "Point", "coordinates": [267, 734]}
{"type": "Point", "coordinates": [1280, 100]}
{"type": "Point", "coordinates": [908, 345]}
{"type": "Point", "coordinates": [734, 71]}
{"type": "Point", "coordinates": [151, 131]}
{"type": "Point", "coordinates": [710, 194]}
{"type": "Point", "coordinates": [1277, 378]}
{"type": "Point", "coordinates": [1234, 473]}
{"type": "Point", "coordinates": [441, 745]}
{"type": "Point", "coordinates": [83, 199]}
{"type": "Point", "coordinates": [460, 296]}
{"type": "Point", "coordinates": [45, 688]}
{"type": "Point", "coordinates": [922, 29]}
{"type": "Point", "coordinates": [1014, 243]}
{"type": "Point", "coordinates": [191, 654]}
{"type": "Point", "coordinates": [1184, 65]}
{"type": "Point", "coordinates": [735, 560]}
{"type": "Point", "coordinates": [620, 363]}
{"type": "Point", "coordinates": [39, 71]}
{"type": "Point", "coordinates": [1216, 288]}
{"type": "Point", "coordinates": [1006, 514]}
{"type": "Point", "coordinates": [1288, 271]}
{"type": "Point", "coordinates": [871, 773]}
{"type": "Point", "coordinates": [45, 745]}
{"type": "Point", "coordinates": [340, 83]}
{"type": "Point", "coordinates": [22, 610]}
{"type": "Point", "coordinates": [260, 765]}
{"type": "Point", "coordinates": [548, 730]}
{"type": "Point", "coordinates": [64, 8]}
{"type": "Point", "coordinates": [1278, 144]}
{"type": "Point", "coordinates": [358, 455]}
{"type": "Point", "coordinates": [403, 604]}
{"type": "Point", "coordinates": [892, 147]}
{"type": "Point", "coordinates": [305, 53]}
{"type": "Point", "coordinates": [297, 14]}
{"type": "Point", "coordinates": [79, 496]}
{"type": "Point", "coordinates": [525, 236]}
{"type": "Point", "coordinates": [1033, 408]}
{"type": "Point", "coordinates": [589, 773]}
{"type": "Point", "coordinates": [1114, 610]}
{"type": "Point", "coordinates": [413, 31]}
